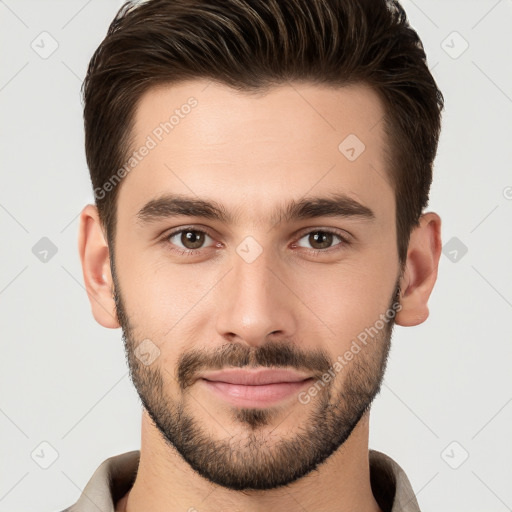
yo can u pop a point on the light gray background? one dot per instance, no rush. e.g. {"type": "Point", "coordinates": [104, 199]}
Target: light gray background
{"type": "Point", "coordinates": [447, 392]}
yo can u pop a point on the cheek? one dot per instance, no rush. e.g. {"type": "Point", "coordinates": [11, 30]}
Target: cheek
{"type": "Point", "coordinates": [348, 298]}
{"type": "Point", "coordinates": [162, 299]}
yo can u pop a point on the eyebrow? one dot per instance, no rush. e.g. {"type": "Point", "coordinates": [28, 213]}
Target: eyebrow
{"type": "Point", "coordinates": [334, 205]}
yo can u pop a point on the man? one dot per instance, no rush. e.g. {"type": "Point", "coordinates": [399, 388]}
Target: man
{"type": "Point", "coordinates": [260, 172]}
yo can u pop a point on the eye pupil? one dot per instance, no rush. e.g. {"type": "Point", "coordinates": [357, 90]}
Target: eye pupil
{"type": "Point", "coordinates": [325, 239]}
{"type": "Point", "coordinates": [192, 239]}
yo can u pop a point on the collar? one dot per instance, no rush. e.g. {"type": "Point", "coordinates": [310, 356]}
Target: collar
{"type": "Point", "coordinates": [116, 475]}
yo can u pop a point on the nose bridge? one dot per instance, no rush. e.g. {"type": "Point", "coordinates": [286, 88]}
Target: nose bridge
{"type": "Point", "coordinates": [255, 303]}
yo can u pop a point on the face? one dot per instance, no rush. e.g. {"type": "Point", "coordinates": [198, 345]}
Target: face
{"type": "Point", "coordinates": [254, 235]}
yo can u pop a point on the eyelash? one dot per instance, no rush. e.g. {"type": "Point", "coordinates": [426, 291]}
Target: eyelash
{"type": "Point", "coordinates": [314, 252]}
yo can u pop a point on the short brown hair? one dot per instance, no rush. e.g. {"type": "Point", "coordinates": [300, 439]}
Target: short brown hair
{"type": "Point", "coordinates": [251, 45]}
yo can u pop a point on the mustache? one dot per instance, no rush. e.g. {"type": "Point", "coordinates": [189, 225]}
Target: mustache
{"type": "Point", "coordinates": [271, 355]}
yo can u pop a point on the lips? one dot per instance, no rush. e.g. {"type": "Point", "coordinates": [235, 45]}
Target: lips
{"type": "Point", "coordinates": [254, 388]}
{"type": "Point", "coordinates": [257, 377]}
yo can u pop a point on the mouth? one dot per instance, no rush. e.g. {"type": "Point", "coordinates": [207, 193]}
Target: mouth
{"type": "Point", "coordinates": [254, 388]}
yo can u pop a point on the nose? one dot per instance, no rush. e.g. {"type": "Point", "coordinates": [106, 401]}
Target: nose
{"type": "Point", "coordinates": [256, 300]}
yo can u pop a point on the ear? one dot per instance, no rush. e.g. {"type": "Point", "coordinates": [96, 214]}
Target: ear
{"type": "Point", "coordinates": [420, 273]}
{"type": "Point", "coordinates": [95, 258]}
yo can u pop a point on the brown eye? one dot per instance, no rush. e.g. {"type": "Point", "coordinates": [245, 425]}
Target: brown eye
{"type": "Point", "coordinates": [187, 241]}
{"type": "Point", "coordinates": [192, 239]}
{"type": "Point", "coordinates": [321, 240]}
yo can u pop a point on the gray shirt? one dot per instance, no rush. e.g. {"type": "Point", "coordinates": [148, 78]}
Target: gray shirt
{"type": "Point", "coordinates": [116, 475]}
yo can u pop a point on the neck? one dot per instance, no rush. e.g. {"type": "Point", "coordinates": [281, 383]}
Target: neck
{"type": "Point", "coordinates": [165, 482]}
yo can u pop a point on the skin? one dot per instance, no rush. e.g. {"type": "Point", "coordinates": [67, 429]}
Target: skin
{"type": "Point", "coordinates": [251, 154]}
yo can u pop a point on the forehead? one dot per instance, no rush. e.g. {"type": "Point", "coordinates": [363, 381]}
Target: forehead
{"type": "Point", "coordinates": [249, 150]}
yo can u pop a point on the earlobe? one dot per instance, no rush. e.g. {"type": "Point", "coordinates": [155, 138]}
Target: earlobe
{"type": "Point", "coordinates": [95, 258]}
{"type": "Point", "coordinates": [420, 272]}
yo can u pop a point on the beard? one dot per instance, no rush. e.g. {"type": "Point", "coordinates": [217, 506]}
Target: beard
{"type": "Point", "coordinates": [253, 459]}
